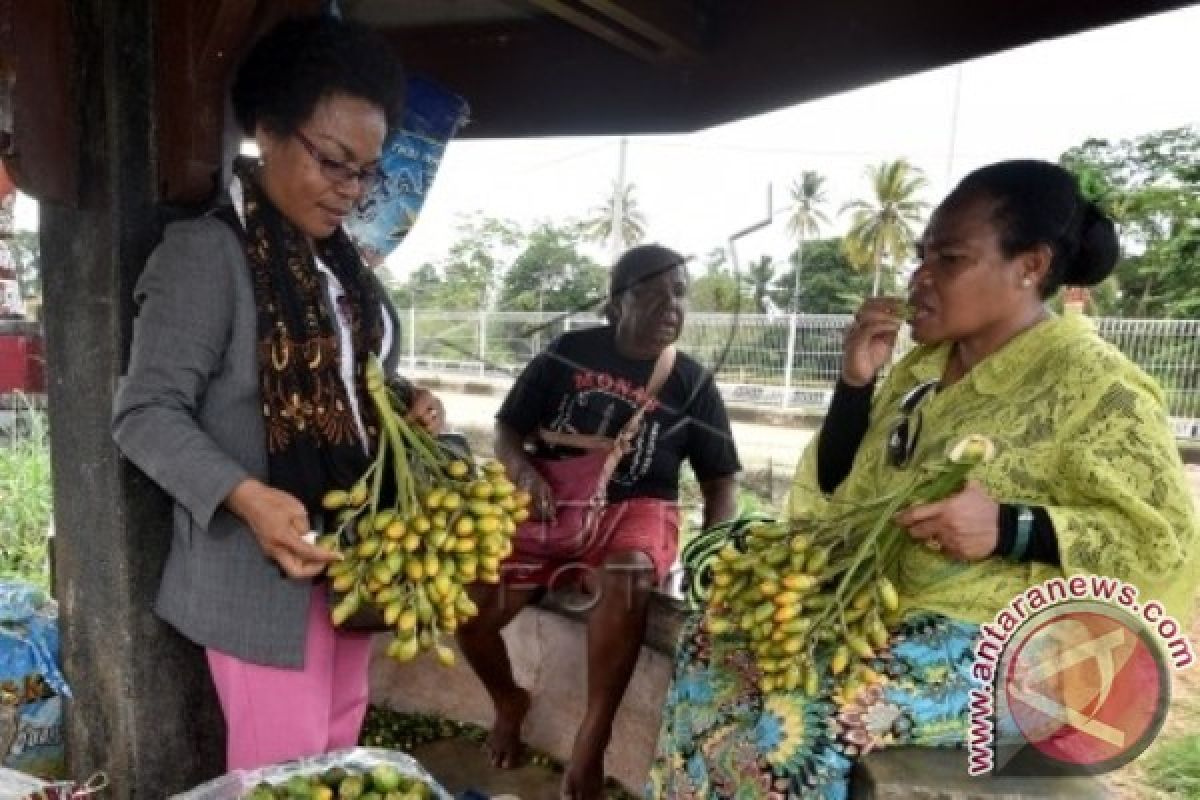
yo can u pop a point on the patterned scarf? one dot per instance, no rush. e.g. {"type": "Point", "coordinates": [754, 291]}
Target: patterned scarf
{"type": "Point", "coordinates": [313, 444]}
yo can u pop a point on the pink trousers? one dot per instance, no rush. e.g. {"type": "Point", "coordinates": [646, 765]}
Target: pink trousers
{"type": "Point", "coordinates": [274, 714]}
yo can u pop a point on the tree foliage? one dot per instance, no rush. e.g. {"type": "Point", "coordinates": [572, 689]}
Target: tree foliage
{"type": "Point", "coordinates": [496, 265]}
{"type": "Point", "coordinates": [808, 198]}
{"type": "Point", "coordinates": [26, 252]}
{"type": "Point", "coordinates": [552, 274]}
{"type": "Point", "coordinates": [829, 282]}
{"type": "Point", "coordinates": [884, 226]}
{"type": "Point", "coordinates": [1150, 185]}
{"type": "Point", "coordinates": [599, 226]}
{"type": "Point", "coordinates": [715, 289]}
{"type": "Point", "coordinates": [468, 277]}
{"type": "Point", "coordinates": [759, 281]}
{"type": "Point", "coordinates": [805, 220]}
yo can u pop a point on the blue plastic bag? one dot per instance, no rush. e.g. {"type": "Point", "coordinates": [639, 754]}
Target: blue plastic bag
{"type": "Point", "coordinates": [411, 156]}
{"type": "Point", "coordinates": [32, 686]}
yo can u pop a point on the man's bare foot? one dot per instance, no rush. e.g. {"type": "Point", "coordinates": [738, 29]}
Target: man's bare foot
{"type": "Point", "coordinates": [504, 742]}
{"type": "Point", "coordinates": [584, 778]}
{"type": "Point", "coordinates": [582, 782]}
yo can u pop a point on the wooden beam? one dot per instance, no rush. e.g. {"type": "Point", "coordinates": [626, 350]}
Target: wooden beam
{"type": "Point", "coordinates": [199, 43]}
{"type": "Point", "coordinates": [674, 25]}
{"type": "Point", "coordinates": [7, 75]}
{"type": "Point", "coordinates": [601, 28]}
{"type": "Point", "coordinates": [143, 709]}
{"type": "Point", "coordinates": [542, 77]}
{"type": "Point", "coordinates": [229, 25]}
{"type": "Point", "coordinates": [196, 45]}
{"type": "Point", "coordinates": [41, 153]}
{"type": "Point", "coordinates": [658, 31]}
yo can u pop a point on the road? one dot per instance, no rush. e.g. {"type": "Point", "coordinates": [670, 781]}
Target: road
{"type": "Point", "coordinates": [758, 445]}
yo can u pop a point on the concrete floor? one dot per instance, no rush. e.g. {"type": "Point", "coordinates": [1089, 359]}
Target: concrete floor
{"type": "Point", "coordinates": [459, 764]}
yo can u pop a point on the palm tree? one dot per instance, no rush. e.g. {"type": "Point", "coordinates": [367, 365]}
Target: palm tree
{"type": "Point", "coordinates": [599, 227]}
{"type": "Point", "coordinates": [808, 193]}
{"type": "Point", "coordinates": [883, 228]}
{"type": "Point", "coordinates": [758, 279]}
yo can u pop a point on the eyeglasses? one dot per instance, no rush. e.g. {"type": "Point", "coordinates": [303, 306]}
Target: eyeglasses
{"type": "Point", "coordinates": [339, 172]}
{"type": "Point", "coordinates": [902, 439]}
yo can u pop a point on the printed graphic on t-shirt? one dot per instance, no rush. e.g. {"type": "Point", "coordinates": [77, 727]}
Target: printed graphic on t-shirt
{"type": "Point", "coordinates": [600, 404]}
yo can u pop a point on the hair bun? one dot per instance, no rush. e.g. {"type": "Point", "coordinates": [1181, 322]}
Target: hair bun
{"type": "Point", "coordinates": [1098, 252]}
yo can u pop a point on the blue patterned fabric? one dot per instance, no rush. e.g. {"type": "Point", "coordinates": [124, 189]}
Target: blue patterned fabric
{"type": "Point", "coordinates": [722, 738]}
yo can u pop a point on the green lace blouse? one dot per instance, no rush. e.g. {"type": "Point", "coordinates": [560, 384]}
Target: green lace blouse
{"type": "Point", "coordinates": [1079, 430]}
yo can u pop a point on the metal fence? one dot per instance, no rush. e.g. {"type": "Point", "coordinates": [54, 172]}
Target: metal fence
{"type": "Point", "coordinates": [1167, 349]}
{"type": "Point", "coordinates": [781, 361]}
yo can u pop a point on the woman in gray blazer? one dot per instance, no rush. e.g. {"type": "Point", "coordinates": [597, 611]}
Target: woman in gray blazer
{"type": "Point", "coordinates": [245, 397]}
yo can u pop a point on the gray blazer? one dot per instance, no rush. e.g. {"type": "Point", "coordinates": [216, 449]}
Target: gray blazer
{"type": "Point", "coordinates": [188, 413]}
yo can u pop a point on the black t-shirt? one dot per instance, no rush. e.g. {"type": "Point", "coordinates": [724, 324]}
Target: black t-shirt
{"type": "Point", "coordinates": [581, 384]}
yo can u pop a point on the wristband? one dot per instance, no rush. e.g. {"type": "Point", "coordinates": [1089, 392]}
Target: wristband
{"type": "Point", "coordinates": [1023, 533]}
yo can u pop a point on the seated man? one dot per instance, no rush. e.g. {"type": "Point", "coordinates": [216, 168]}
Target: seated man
{"type": "Point", "coordinates": [591, 383]}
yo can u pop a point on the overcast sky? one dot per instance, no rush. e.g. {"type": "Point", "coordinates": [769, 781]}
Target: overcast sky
{"type": "Point", "coordinates": [696, 189]}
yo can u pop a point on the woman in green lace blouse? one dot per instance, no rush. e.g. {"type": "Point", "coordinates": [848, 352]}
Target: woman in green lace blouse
{"type": "Point", "coordinates": [1086, 480]}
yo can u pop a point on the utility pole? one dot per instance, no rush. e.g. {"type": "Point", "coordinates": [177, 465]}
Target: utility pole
{"type": "Point", "coordinates": [954, 107]}
{"type": "Point", "coordinates": [796, 279]}
{"type": "Point", "coordinates": [618, 206]}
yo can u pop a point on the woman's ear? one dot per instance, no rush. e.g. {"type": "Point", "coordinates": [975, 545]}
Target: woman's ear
{"type": "Point", "coordinates": [1034, 265]}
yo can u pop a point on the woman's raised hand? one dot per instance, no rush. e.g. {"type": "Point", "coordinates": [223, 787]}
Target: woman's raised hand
{"type": "Point", "coordinates": [870, 339]}
{"type": "Point", "coordinates": [279, 522]}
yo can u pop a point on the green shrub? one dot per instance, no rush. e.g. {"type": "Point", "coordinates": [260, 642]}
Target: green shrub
{"type": "Point", "coordinates": [25, 501]}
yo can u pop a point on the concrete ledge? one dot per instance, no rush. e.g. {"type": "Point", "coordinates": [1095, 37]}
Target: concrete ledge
{"type": "Point", "coordinates": [547, 651]}
{"type": "Point", "coordinates": [462, 385]}
{"type": "Point", "coordinates": [918, 773]}
{"type": "Point", "coordinates": [546, 645]}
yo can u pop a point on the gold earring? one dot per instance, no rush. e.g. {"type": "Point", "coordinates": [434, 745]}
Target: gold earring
{"type": "Point", "coordinates": [1026, 282]}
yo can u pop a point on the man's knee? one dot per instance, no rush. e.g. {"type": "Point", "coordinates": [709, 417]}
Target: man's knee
{"type": "Point", "coordinates": [629, 560]}
{"type": "Point", "coordinates": [634, 567]}
{"type": "Point", "coordinates": [496, 605]}
{"type": "Point", "coordinates": [631, 572]}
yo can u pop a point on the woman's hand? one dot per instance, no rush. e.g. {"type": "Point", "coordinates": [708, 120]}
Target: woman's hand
{"type": "Point", "coordinates": [279, 522]}
{"type": "Point", "coordinates": [870, 339]}
{"type": "Point", "coordinates": [963, 526]}
{"type": "Point", "coordinates": [426, 410]}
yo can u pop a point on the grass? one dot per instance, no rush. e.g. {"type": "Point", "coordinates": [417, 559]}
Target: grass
{"type": "Point", "coordinates": [1170, 767]}
{"type": "Point", "coordinates": [1175, 767]}
{"type": "Point", "coordinates": [25, 501]}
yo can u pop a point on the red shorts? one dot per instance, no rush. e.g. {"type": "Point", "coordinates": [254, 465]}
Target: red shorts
{"type": "Point", "coordinates": [642, 525]}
